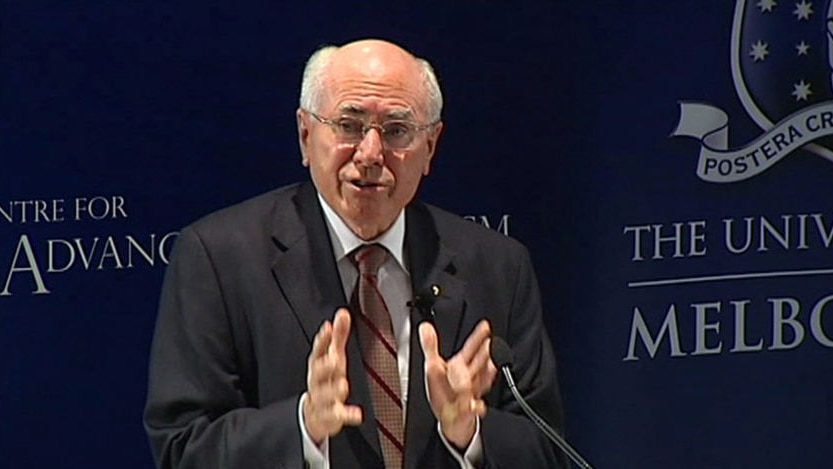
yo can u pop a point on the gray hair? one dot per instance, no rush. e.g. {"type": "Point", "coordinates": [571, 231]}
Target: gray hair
{"type": "Point", "coordinates": [312, 83]}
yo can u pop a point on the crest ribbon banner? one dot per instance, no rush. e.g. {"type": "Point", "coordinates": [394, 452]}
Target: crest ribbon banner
{"type": "Point", "coordinates": [717, 163]}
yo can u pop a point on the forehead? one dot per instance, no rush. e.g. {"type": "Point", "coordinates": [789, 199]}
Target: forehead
{"type": "Point", "coordinates": [375, 82]}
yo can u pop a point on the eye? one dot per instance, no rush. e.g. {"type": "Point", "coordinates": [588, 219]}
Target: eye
{"type": "Point", "coordinates": [397, 129]}
{"type": "Point", "coordinates": [349, 126]}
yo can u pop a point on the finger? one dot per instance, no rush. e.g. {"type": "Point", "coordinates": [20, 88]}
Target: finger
{"type": "Point", "coordinates": [491, 375]}
{"type": "Point", "coordinates": [318, 375]}
{"type": "Point", "coordinates": [428, 342]}
{"type": "Point", "coordinates": [459, 377]}
{"type": "Point", "coordinates": [437, 388]}
{"type": "Point", "coordinates": [482, 371]}
{"type": "Point", "coordinates": [326, 383]}
{"type": "Point", "coordinates": [350, 415]}
{"type": "Point", "coordinates": [320, 344]}
{"type": "Point", "coordinates": [322, 339]}
{"type": "Point", "coordinates": [481, 359]}
{"type": "Point", "coordinates": [485, 379]}
{"type": "Point", "coordinates": [475, 340]}
{"type": "Point", "coordinates": [341, 330]}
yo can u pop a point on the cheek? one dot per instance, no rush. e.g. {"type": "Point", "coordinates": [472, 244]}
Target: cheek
{"type": "Point", "coordinates": [326, 162]}
{"type": "Point", "coordinates": [409, 173]}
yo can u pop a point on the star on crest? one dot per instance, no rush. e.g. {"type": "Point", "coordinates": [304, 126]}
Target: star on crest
{"type": "Point", "coordinates": [766, 6]}
{"type": "Point", "coordinates": [803, 10]}
{"type": "Point", "coordinates": [759, 51]}
{"type": "Point", "coordinates": [801, 91]}
{"type": "Point", "coordinates": [803, 48]}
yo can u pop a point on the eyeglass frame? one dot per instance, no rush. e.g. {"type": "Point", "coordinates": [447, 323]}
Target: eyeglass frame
{"type": "Point", "coordinates": [366, 127]}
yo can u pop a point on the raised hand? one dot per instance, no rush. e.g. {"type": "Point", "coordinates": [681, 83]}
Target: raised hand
{"type": "Point", "coordinates": [325, 412]}
{"type": "Point", "coordinates": [456, 387]}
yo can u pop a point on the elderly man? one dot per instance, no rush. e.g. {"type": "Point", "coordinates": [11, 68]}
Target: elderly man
{"type": "Point", "coordinates": [284, 337]}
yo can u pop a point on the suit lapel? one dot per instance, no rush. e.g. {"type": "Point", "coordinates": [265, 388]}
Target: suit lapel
{"type": "Point", "coordinates": [430, 264]}
{"type": "Point", "coordinates": [302, 241]}
{"type": "Point", "coordinates": [307, 275]}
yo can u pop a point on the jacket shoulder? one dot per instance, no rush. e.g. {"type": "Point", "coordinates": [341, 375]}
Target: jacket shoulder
{"type": "Point", "coordinates": [257, 210]}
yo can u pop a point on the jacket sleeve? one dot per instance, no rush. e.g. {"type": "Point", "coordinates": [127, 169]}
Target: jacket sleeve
{"type": "Point", "coordinates": [198, 414]}
{"type": "Point", "coordinates": [510, 439]}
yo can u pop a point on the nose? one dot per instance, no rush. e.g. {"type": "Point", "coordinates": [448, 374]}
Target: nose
{"type": "Point", "coordinates": [370, 151]}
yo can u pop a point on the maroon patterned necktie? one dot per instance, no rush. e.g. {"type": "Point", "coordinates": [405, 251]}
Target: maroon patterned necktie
{"type": "Point", "coordinates": [378, 348]}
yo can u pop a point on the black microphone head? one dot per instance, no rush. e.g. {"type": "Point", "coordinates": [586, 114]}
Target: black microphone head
{"type": "Point", "coordinates": [501, 353]}
{"type": "Point", "coordinates": [424, 299]}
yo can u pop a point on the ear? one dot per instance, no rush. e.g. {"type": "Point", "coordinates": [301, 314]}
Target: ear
{"type": "Point", "coordinates": [433, 138]}
{"type": "Point", "coordinates": [302, 121]}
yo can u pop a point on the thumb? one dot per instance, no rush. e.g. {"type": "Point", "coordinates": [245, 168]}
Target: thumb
{"type": "Point", "coordinates": [428, 341]}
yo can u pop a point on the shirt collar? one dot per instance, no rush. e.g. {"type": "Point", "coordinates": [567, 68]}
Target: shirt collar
{"type": "Point", "coordinates": [344, 241]}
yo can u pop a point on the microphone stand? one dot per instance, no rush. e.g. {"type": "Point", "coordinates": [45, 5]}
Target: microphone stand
{"type": "Point", "coordinates": [542, 425]}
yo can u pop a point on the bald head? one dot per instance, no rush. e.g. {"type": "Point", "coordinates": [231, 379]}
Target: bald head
{"type": "Point", "coordinates": [373, 49]}
{"type": "Point", "coordinates": [375, 61]}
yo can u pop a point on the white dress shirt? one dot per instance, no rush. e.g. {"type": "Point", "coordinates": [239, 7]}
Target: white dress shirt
{"type": "Point", "coordinates": [394, 283]}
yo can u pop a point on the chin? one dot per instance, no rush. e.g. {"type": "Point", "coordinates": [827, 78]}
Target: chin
{"type": "Point", "coordinates": [371, 220]}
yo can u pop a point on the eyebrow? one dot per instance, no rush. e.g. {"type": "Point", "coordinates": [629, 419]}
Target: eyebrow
{"type": "Point", "coordinates": [398, 114]}
{"type": "Point", "coordinates": [352, 110]}
{"type": "Point", "coordinates": [401, 114]}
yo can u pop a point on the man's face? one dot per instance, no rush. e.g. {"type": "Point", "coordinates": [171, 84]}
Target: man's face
{"type": "Point", "coordinates": [368, 184]}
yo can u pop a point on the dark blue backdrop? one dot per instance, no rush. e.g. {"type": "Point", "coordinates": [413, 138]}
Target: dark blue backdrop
{"type": "Point", "coordinates": [558, 114]}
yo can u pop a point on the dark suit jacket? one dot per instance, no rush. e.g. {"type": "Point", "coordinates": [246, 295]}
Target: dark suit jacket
{"type": "Point", "coordinates": [245, 292]}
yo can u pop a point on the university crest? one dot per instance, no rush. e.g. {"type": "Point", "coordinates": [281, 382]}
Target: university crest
{"type": "Point", "coordinates": [782, 67]}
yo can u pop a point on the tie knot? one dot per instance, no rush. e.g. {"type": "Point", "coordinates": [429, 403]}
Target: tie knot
{"type": "Point", "coordinates": [369, 258]}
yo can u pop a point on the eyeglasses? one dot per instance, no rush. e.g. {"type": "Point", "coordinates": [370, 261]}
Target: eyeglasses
{"type": "Point", "coordinates": [396, 134]}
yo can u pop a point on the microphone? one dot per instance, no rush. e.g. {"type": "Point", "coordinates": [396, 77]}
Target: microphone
{"type": "Point", "coordinates": [424, 301]}
{"type": "Point", "coordinates": [502, 357]}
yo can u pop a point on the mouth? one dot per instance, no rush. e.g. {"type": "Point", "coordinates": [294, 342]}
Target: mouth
{"type": "Point", "coordinates": [366, 184]}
